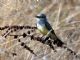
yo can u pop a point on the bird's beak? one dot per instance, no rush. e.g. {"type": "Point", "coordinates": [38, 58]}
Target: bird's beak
{"type": "Point", "coordinates": [37, 16]}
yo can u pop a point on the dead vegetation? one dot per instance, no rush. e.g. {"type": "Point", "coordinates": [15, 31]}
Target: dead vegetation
{"type": "Point", "coordinates": [63, 15]}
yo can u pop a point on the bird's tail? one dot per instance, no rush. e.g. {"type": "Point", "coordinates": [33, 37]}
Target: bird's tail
{"type": "Point", "coordinates": [53, 35]}
{"type": "Point", "coordinates": [55, 39]}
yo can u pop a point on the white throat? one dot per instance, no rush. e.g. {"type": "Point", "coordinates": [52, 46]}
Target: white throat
{"type": "Point", "coordinates": [37, 19]}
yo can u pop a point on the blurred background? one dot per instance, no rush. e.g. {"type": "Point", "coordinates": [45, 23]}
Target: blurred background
{"type": "Point", "coordinates": [64, 17]}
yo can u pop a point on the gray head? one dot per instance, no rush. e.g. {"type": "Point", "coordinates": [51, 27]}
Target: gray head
{"type": "Point", "coordinates": [42, 16]}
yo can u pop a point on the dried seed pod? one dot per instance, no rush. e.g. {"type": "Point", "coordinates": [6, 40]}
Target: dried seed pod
{"type": "Point", "coordinates": [28, 32]}
{"type": "Point", "coordinates": [24, 35]}
{"type": "Point", "coordinates": [15, 36]}
{"type": "Point", "coordinates": [22, 43]}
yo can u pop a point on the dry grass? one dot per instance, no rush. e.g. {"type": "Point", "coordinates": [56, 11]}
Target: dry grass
{"type": "Point", "coordinates": [64, 17]}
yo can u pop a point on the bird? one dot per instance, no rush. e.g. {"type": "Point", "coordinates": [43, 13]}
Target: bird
{"type": "Point", "coordinates": [44, 27]}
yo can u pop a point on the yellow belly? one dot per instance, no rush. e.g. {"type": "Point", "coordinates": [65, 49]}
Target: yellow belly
{"type": "Point", "coordinates": [43, 30]}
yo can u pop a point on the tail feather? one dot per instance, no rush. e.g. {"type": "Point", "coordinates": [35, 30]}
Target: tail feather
{"type": "Point", "coordinates": [56, 39]}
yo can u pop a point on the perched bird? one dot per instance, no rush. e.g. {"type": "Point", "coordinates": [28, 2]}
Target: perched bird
{"type": "Point", "coordinates": [44, 27]}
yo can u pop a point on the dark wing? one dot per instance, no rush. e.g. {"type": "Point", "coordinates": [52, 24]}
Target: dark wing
{"type": "Point", "coordinates": [53, 35]}
{"type": "Point", "coordinates": [48, 26]}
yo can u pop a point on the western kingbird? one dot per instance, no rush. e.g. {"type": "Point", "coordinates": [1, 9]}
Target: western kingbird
{"type": "Point", "coordinates": [44, 27]}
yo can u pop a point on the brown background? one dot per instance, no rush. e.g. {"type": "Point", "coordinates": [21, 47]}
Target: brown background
{"type": "Point", "coordinates": [63, 15]}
